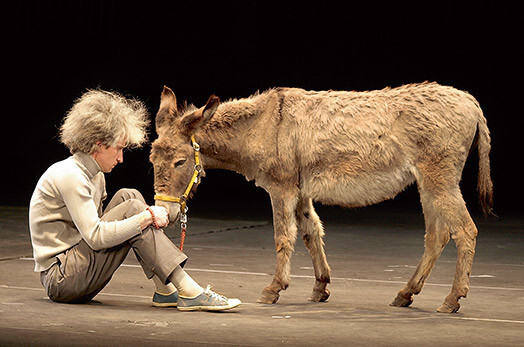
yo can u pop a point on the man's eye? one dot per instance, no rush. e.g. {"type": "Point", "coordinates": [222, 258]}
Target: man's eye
{"type": "Point", "coordinates": [180, 162]}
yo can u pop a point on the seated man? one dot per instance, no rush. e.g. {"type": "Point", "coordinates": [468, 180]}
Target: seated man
{"type": "Point", "coordinates": [77, 246]}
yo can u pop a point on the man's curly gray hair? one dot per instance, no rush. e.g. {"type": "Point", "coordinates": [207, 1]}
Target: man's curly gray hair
{"type": "Point", "coordinates": [105, 117]}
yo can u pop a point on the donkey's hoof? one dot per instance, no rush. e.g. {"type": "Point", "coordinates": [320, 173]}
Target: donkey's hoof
{"type": "Point", "coordinates": [402, 301]}
{"type": "Point", "coordinates": [448, 308]}
{"type": "Point", "coordinates": [319, 296]}
{"type": "Point", "coordinates": [268, 297]}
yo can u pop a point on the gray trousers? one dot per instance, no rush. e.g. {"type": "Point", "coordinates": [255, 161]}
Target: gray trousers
{"type": "Point", "coordinates": [80, 273]}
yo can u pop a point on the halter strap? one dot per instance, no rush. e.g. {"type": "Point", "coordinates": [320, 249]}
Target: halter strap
{"type": "Point", "coordinates": [182, 200]}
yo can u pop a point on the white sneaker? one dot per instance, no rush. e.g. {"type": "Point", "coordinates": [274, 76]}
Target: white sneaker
{"type": "Point", "coordinates": [208, 300]}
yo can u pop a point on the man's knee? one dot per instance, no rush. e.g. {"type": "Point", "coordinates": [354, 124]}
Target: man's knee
{"type": "Point", "coordinates": [134, 206]}
{"type": "Point", "coordinates": [129, 193]}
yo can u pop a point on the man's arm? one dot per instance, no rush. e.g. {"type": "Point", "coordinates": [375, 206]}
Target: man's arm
{"type": "Point", "coordinates": [98, 234]}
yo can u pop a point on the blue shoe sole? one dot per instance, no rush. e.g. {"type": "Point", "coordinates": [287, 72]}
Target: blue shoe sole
{"type": "Point", "coordinates": [161, 300]}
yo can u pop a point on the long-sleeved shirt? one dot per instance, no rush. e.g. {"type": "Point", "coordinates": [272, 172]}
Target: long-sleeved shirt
{"type": "Point", "coordinates": [66, 207]}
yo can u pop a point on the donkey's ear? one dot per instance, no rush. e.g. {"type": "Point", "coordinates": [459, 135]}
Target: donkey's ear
{"type": "Point", "coordinates": [210, 108]}
{"type": "Point", "coordinates": [168, 100]}
{"type": "Point", "coordinates": [201, 116]}
{"type": "Point", "coordinates": [167, 109]}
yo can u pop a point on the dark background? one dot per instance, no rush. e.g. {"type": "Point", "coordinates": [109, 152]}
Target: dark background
{"type": "Point", "coordinates": [55, 50]}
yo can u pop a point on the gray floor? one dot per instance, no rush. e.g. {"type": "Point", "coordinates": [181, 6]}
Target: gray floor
{"type": "Point", "coordinates": [372, 254]}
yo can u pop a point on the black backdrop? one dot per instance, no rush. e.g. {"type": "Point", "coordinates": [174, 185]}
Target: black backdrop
{"type": "Point", "coordinates": [55, 50]}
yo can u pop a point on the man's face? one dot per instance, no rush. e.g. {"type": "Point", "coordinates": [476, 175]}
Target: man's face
{"type": "Point", "coordinates": [108, 157]}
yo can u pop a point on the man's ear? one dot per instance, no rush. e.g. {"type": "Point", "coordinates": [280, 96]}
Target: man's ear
{"type": "Point", "coordinates": [196, 119]}
{"type": "Point", "coordinates": [98, 147]}
{"type": "Point", "coordinates": [168, 108]}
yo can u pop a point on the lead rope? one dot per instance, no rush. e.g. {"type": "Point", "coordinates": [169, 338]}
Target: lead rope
{"type": "Point", "coordinates": [183, 228]}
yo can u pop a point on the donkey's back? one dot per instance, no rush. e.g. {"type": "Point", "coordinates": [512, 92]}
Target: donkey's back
{"type": "Point", "coordinates": [359, 148]}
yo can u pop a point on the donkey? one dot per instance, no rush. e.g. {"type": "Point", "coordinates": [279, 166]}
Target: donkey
{"type": "Point", "coordinates": [338, 148]}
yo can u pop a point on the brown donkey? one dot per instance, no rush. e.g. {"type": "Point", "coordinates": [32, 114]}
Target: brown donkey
{"type": "Point", "coordinates": [338, 148]}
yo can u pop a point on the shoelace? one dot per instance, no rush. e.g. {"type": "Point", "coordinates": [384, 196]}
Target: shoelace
{"type": "Point", "coordinates": [214, 295]}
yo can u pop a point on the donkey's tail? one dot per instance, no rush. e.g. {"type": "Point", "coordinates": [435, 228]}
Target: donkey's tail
{"type": "Point", "coordinates": [485, 185]}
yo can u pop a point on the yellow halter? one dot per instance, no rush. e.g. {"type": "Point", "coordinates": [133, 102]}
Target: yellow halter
{"type": "Point", "coordinates": [182, 200]}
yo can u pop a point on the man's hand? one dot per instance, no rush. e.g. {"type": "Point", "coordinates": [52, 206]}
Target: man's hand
{"type": "Point", "coordinates": [161, 216]}
{"type": "Point", "coordinates": [152, 215]}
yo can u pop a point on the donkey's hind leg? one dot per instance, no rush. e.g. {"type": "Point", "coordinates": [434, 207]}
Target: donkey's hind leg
{"type": "Point", "coordinates": [436, 238]}
{"type": "Point", "coordinates": [312, 233]}
{"type": "Point", "coordinates": [464, 233]}
{"type": "Point", "coordinates": [284, 202]}
{"type": "Point", "coordinates": [446, 214]}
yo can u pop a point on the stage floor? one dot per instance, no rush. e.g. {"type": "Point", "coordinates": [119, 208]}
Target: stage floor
{"type": "Point", "coordinates": [372, 254]}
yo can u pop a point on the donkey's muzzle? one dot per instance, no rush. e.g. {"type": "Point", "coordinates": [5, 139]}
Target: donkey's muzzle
{"type": "Point", "coordinates": [173, 210]}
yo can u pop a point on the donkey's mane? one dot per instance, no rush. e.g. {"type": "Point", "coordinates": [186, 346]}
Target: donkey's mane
{"type": "Point", "coordinates": [233, 110]}
{"type": "Point", "coordinates": [186, 107]}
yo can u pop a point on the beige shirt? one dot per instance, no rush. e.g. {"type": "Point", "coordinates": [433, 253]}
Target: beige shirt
{"type": "Point", "coordinates": [66, 207]}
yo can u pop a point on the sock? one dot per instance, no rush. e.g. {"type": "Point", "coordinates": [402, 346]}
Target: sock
{"type": "Point", "coordinates": [187, 287]}
{"type": "Point", "coordinates": [161, 288]}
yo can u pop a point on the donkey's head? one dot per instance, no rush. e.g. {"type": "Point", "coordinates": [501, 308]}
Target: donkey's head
{"type": "Point", "coordinates": [174, 153]}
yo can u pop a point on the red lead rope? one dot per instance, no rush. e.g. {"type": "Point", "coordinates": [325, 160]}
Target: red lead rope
{"type": "Point", "coordinates": [183, 227]}
{"type": "Point", "coordinates": [182, 238]}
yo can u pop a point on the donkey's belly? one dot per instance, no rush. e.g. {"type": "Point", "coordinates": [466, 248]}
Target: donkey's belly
{"type": "Point", "coordinates": [362, 190]}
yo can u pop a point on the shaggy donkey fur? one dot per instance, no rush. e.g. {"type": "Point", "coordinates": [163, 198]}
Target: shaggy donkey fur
{"type": "Point", "coordinates": [338, 148]}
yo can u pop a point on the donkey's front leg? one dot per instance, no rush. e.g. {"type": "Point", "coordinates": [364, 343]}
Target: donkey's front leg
{"type": "Point", "coordinates": [313, 234]}
{"type": "Point", "coordinates": [284, 204]}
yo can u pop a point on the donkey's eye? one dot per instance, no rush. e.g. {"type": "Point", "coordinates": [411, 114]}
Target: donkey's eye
{"type": "Point", "coordinates": [179, 162]}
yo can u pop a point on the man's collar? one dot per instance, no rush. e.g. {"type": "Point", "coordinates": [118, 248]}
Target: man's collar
{"type": "Point", "coordinates": [91, 166]}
